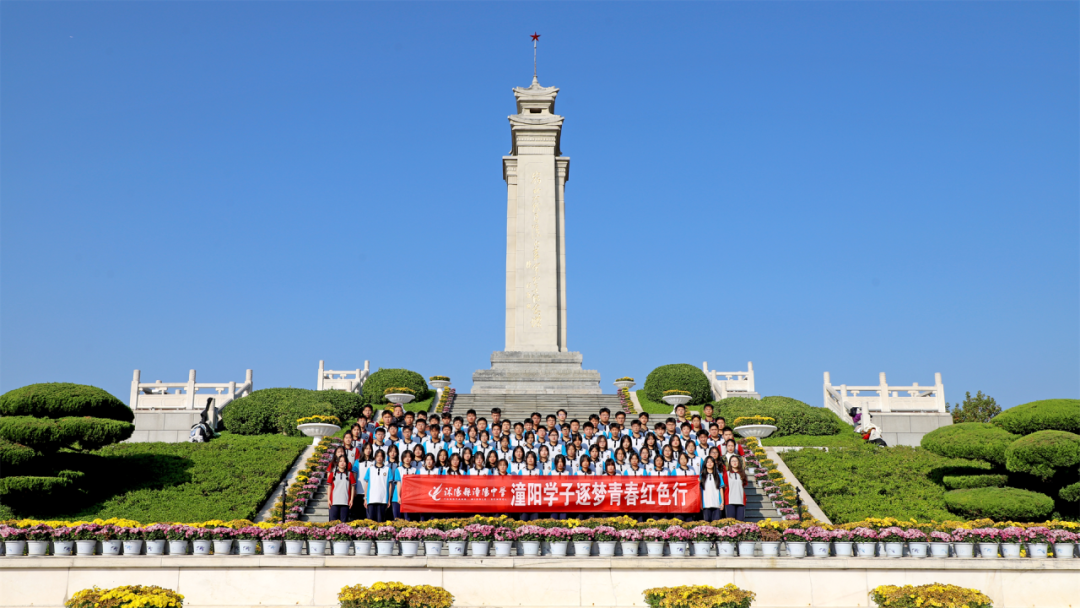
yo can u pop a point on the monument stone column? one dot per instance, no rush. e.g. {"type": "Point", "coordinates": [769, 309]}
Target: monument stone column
{"type": "Point", "coordinates": [536, 359]}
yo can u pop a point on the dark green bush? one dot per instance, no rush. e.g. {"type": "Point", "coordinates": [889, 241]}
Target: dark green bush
{"type": "Point", "coordinates": [51, 434]}
{"type": "Point", "coordinates": [1046, 415]}
{"type": "Point", "coordinates": [383, 379]}
{"type": "Point", "coordinates": [1043, 453]}
{"type": "Point", "coordinates": [681, 376]}
{"type": "Point", "coordinates": [15, 455]}
{"type": "Point", "coordinates": [61, 400]}
{"type": "Point", "coordinates": [1070, 493]}
{"type": "Point", "coordinates": [960, 482]}
{"type": "Point", "coordinates": [974, 440]}
{"type": "Point", "coordinates": [1001, 504]}
{"type": "Point", "coordinates": [276, 410]}
{"type": "Point", "coordinates": [20, 492]}
{"type": "Point", "coordinates": [793, 417]}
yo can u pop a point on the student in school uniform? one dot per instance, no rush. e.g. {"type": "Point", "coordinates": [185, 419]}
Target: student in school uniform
{"type": "Point", "coordinates": [530, 469]}
{"type": "Point", "coordinates": [712, 486]}
{"type": "Point", "coordinates": [351, 451]}
{"type": "Point", "coordinates": [594, 457]}
{"type": "Point", "coordinates": [627, 445]}
{"type": "Point", "coordinates": [543, 459]}
{"type": "Point", "coordinates": [558, 469]}
{"type": "Point", "coordinates": [572, 456]}
{"type": "Point", "coordinates": [693, 457]}
{"type": "Point", "coordinates": [610, 468]}
{"type": "Point", "coordinates": [478, 467]}
{"type": "Point", "coordinates": [339, 452]}
{"type": "Point", "coordinates": [427, 468]}
{"type": "Point", "coordinates": [668, 454]}
{"type": "Point", "coordinates": [530, 444]}
{"type": "Point", "coordinates": [652, 443]}
{"type": "Point", "coordinates": [406, 443]}
{"type": "Point", "coordinates": [731, 451]}
{"type": "Point", "coordinates": [342, 483]}
{"type": "Point", "coordinates": [620, 460]}
{"type": "Point", "coordinates": [729, 435]}
{"type": "Point", "coordinates": [503, 468]}
{"type": "Point", "coordinates": [735, 492]}
{"type": "Point", "coordinates": [518, 461]}
{"type": "Point", "coordinates": [634, 468]}
{"type": "Point", "coordinates": [400, 472]}
{"type": "Point", "coordinates": [491, 465]}
{"type": "Point", "coordinates": [602, 445]}
{"type": "Point", "coordinates": [442, 460]}
{"type": "Point", "coordinates": [377, 479]}
{"type": "Point", "coordinates": [519, 435]}
{"type": "Point", "coordinates": [584, 466]}
{"type": "Point", "coordinates": [417, 456]}
{"type": "Point", "coordinates": [683, 469]}
{"type": "Point", "coordinates": [659, 467]}
{"type": "Point", "coordinates": [676, 445]}
{"type": "Point", "coordinates": [505, 452]}
{"type": "Point", "coordinates": [455, 467]}
{"type": "Point", "coordinates": [359, 469]}
{"type": "Point", "coordinates": [458, 447]}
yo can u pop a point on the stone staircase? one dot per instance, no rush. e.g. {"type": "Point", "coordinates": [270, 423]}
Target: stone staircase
{"type": "Point", "coordinates": [759, 506]}
{"type": "Point", "coordinates": [318, 509]}
{"type": "Point", "coordinates": [518, 407]}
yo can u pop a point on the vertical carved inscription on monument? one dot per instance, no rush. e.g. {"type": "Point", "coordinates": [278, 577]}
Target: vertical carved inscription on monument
{"type": "Point", "coordinates": [532, 287]}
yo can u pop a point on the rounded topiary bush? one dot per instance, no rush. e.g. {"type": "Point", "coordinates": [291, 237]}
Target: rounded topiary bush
{"type": "Point", "coordinates": [680, 376]}
{"type": "Point", "coordinates": [51, 434]}
{"type": "Point", "coordinates": [383, 379]}
{"type": "Point", "coordinates": [276, 410]}
{"type": "Point", "coordinates": [1046, 415]}
{"type": "Point", "coordinates": [1043, 453]}
{"type": "Point", "coordinates": [972, 440]}
{"type": "Point", "coordinates": [959, 482]}
{"type": "Point", "coordinates": [1070, 493]}
{"type": "Point", "coordinates": [793, 417]}
{"type": "Point", "coordinates": [62, 399]}
{"type": "Point", "coordinates": [1001, 504]}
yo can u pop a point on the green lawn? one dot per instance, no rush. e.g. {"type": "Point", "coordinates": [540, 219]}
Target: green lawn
{"type": "Point", "coordinates": [652, 407]}
{"type": "Point", "coordinates": [851, 484]}
{"type": "Point", "coordinates": [421, 406]}
{"type": "Point", "coordinates": [848, 439]}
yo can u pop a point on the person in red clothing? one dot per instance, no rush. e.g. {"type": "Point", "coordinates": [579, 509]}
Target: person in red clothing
{"type": "Point", "coordinates": [342, 483]}
{"type": "Point", "coordinates": [729, 435]}
{"type": "Point", "coordinates": [735, 490]}
{"type": "Point", "coordinates": [339, 452]}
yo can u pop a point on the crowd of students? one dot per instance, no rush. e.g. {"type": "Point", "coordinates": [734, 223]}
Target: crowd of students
{"type": "Point", "coordinates": [379, 452]}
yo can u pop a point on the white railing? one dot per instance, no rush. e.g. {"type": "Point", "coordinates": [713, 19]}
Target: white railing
{"type": "Point", "coordinates": [733, 384]}
{"type": "Point", "coordinates": [884, 398]}
{"type": "Point", "coordinates": [184, 395]}
{"type": "Point", "coordinates": [351, 381]}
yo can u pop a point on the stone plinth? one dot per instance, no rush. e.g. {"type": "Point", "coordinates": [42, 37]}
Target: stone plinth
{"type": "Point", "coordinates": [908, 428]}
{"type": "Point", "coordinates": [535, 373]}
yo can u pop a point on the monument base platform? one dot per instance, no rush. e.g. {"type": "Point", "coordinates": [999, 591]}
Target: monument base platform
{"type": "Point", "coordinates": [535, 373]}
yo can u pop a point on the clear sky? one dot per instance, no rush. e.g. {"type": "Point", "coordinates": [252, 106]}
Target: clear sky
{"type": "Point", "coordinates": [851, 187]}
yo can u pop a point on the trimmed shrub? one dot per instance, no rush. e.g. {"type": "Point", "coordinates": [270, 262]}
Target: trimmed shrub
{"type": "Point", "coordinates": [793, 417]}
{"type": "Point", "coordinates": [51, 434]}
{"type": "Point", "coordinates": [15, 455]}
{"type": "Point", "coordinates": [63, 399]}
{"type": "Point", "coordinates": [972, 440]}
{"type": "Point", "coordinates": [680, 376]}
{"type": "Point", "coordinates": [276, 410]}
{"type": "Point", "coordinates": [1001, 504]}
{"type": "Point", "coordinates": [1070, 493]}
{"type": "Point", "coordinates": [23, 491]}
{"type": "Point", "coordinates": [378, 382]}
{"type": "Point", "coordinates": [1046, 415]}
{"type": "Point", "coordinates": [960, 482]}
{"type": "Point", "coordinates": [1044, 453]}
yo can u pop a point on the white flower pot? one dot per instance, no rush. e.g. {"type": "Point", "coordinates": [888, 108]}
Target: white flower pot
{"type": "Point", "coordinates": [438, 384]}
{"type": "Point", "coordinates": [271, 547]}
{"type": "Point", "coordinates": [918, 549]}
{"type": "Point", "coordinates": [384, 547]}
{"type": "Point", "coordinates": [111, 547]}
{"type": "Point", "coordinates": [155, 547]}
{"type": "Point", "coordinates": [222, 547]}
{"type": "Point", "coordinates": [1063, 550]}
{"type": "Point", "coordinates": [702, 548]}
{"type": "Point", "coordinates": [866, 549]}
{"type": "Point", "coordinates": [248, 546]}
{"type": "Point", "coordinates": [133, 547]}
{"type": "Point", "coordinates": [530, 548]}
{"type": "Point", "coordinates": [341, 547]}
{"type": "Point", "coordinates": [85, 547]}
{"type": "Point", "coordinates": [455, 548]}
{"type": "Point", "coordinates": [746, 548]}
{"type": "Point", "coordinates": [606, 548]}
{"type": "Point", "coordinates": [725, 548]}
{"type": "Point", "coordinates": [678, 548]}
{"type": "Point", "coordinates": [819, 549]}
{"type": "Point", "coordinates": [558, 547]}
{"type": "Point", "coordinates": [362, 548]}
{"type": "Point", "coordinates": [582, 548]}
{"type": "Point", "coordinates": [796, 548]}
{"type": "Point", "coordinates": [399, 398]}
{"type": "Point", "coordinates": [770, 548]}
{"type": "Point", "coordinates": [433, 548]}
{"type": "Point", "coordinates": [755, 430]}
{"type": "Point", "coordinates": [988, 550]}
{"type": "Point", "coordinates": [409, 548]}
{"type": "Point", "coordinates": [1037, 550]}
{"type": "Point", "coordinates": [14, 548]}
{"type": "Point", "coordinates": [655, 548]}
{"type": "Point", "coordinates": [1010, 550]}
{"type": "Point", "coordinates": [503, 547]}
{"type": "Point", "coordinates": [894, 549]}
{"type": "Point", "coordinates": [316, 547]}
{"type": "Point", "coordinates": [317, 430]}
{"type": "Point", "coordinates": [63, 547]}
{"type": "Point", "coordinates": [479, 548]}
{"type": "Point", "coordinates": [844, 548]}
{"type": "Point", "coordinates": [37, 548]}
{"type": "Point", "coordinates": [629, 547]}
{"type": "Point", "coordinates": [294, 547]}
{"type": "Point", "coordinates": [939, 549]}
{"type": "Point", "coordinates": [964, 549]}
{"type": "Point", "coordinates": [676, 400]}
{"type": "Point", "coordinates": [624, 384]}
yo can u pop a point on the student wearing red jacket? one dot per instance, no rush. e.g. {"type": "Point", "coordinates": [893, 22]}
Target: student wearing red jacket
{"type": "Point", "coordinates": [342, 482]}
{"type": "Point", "coordinates": [735, 490]}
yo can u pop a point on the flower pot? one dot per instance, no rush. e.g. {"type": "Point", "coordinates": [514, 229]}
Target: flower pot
{"type": "Point", "coordinates": [702, 548]}
{"type": "Point", "coordinates": [746, 548]}
{"type": "Point", "coordinates": [558, 547]}
{"type": "Point", "coordinates": [456, 548]}
{"type": "Point", "coordinates": [85, 547]}
{"type": "Point", "coordinates": [676, 400]}
{"type": "Point", "coordinates": [866, 549]}
{"type": "Point", "coordinates": [341, 547]}
{"type": "Point", "coordinates": [409, 548]}
{"type": "Point", "coordinates": [629, 547]}
{"type": "Point", "coordinates": [399, 398]}
{"type": "Point", "coordinates": [1037, 550]}
{"type": "Point", "coordinates": [14, 548]}
{"type": "Point", "coordinates": [770, 548]}
{"type": "Point", "coordinates": [248, 546]}
{"type": "Point", "coordinates": [844, 548]}
{"type": "Point", "coordinates": [479, 548]}
{"type": "Point", "coordinates": [725, 548]}
{"type": "Point", "coordinates": [318, 430]}
{"type": "Point", "coordinates": [677, 547]}
{"type": "Point", "coordinates": [37, 548]}
{"type": "Point", "coordinates": [271, 547]}
{"type": "Point", "coordinates": [894, 549]}
{"type": "Point", "coordinates": [964, 549]}
{"type": "Point", "coordinates": [361, 548]}
{"type": "Point", "coordinates": [433, 547]}
{"type": "Point", "coordinates": [1010, 550]}
{"type": "Point", "coordinates": [1063, 550]}
{"type": "Point", "coordinates": [755, 430]}
{"type": "Point", "coordinates": [606, 548]}
{"type": "Point", "coordinates": [988, 550]}
{"type": "Point", "coordinates": [223, 547]}
{"type": "Point", "coordinates": [796, 548]}
{"type": "Point", "coordinates": [918, 549]}
{"type": "Point", "coordinates": [316, 547]}
{"type": "Point", "coordinates": [294, 547]}
{"type": "Point", "coordinates": [438, 384]}
{"type": "Point", "coordinates": [624, 384]}
{"type": "Point", "coordinates": [63, 547]}
{"type": "Point", "coordinates": [384, 547]}
{"type": "Point", "coordinates": [655, 548]}
{"type": "Point", "coordinates": [530, 548]}
{"type": "Point", "coordinates": [132, 547]}
{"type": "Point", "coordinates": [819, 549]}
{"type": "Point", "coordinates": [111, 547]}
{"type": "Point", "coordinates": [155, 547]}
{"type": "Point", "coordinates": [503, 547]}
{"type": "Point", "coordinates": [582, 548]}
{"type": "Point", "coordinates": [939, 549]}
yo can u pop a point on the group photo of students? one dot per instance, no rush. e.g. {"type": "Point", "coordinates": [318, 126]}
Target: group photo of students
{"type": "Point", "coordinates": [380, 450]}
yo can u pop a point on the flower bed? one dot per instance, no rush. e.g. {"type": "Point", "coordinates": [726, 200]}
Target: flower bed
{"type": "Point", "coordinates": [446, 402]}
{"type": "Point", "coordinates": [910, 596]}
{"type": "Point", "coordinates": [744, 420]}
{"type": "Point", "coordinates": [772, 481]}
{"type": "Point", "coordinates": [625, 401]}
{"type": "Point", "coordinates": [130, 596]}
{"type": "Point", "coordinates": [395, 595]}
{"type": "Point", "coordinates": [307, 482]}
{"type": "Point", "coordinates": [698, 596]}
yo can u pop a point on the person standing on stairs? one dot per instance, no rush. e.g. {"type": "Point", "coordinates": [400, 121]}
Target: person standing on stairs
{"type": "Point", "coordinates": [735, 492]}
{"type": "Point", "coordinates": [341, 490]}
{"type": "Point", "coordinates": [712, 491]}
{"type": "Point", "coordinates": [377, 478]}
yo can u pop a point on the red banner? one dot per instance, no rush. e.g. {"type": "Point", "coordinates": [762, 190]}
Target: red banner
{"type": "Point", "coordinates": [539, 494]}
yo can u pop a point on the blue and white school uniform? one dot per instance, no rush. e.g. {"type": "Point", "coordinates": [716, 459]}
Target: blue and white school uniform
{"type": "Point", "coordinates": [516, 467]}
{"type": "Point", "coordinates": [378, 490]}
{"type": "Point", "coordinates": [680, 472]}
{"type": "Point", "coordinates": [360, 474]}
{"type": "Point", "coordinates": [405, 446]}
{"type": "Point", "coordinates": [639, 472]}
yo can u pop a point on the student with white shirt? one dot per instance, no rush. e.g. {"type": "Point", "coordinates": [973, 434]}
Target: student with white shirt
{"type": "Point", "coordinates": [634, 468]}
{"type": "Point", "coordinates": [559, 469]}
{"type": "Point", "coordinates": [491, 465]}
{"type": "Point", "coordinates": [605, 451]}
{"type": "Point", "coordinates": [735, 492]}
{"type": "Point", "coordinates": [359, 470]}
{"type": "Point", "coordinates": [659, 467]}
{"type": "Point", "coordinates": [400, 472]}
{"type": "Point", "coordinates": [712, 490]}
{"type": "Point", "coordinates": [683, 469]}
{"type": "Point", "coordinates": [620, 460]}
{"type": "Point", "coordinates": [531, 468]}
{"type": "Point", "coordinates": [341, 490]}
{"type": "Point", "coordinates": [584, 466]}
{"type": "Point", "coordinates": [505, 452]}
{"type": "Point", "coordinates": [693, 457]}
{"type": "Point", "coordinates": [668, 454]}
{"type": "Point", "coordinates": [377, 479]}
{"type": "Point", "coordinates": [442, 461]}
{"type": "Point", "coordinates": [543, 459]}
{"type": "Point", "coordinates": [518, 461]}
{"type": "Point", "coordinates": [455, 467]}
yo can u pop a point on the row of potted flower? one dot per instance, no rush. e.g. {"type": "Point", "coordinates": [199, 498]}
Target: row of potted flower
{"type": "Point", "coordinates": [307, 482]}
{"type": "Point", "coordinates": [625, 401]}
{"type": "Point", "coordinates": [446, 401]}
{"type": "Point", "coordinates": [768, 477]}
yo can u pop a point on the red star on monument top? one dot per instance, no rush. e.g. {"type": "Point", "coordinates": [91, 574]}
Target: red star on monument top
{"type": "Point", "coordinates": [535, 36]}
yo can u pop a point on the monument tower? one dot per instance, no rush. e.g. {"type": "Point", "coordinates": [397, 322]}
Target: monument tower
{"type": "Point", "coordinates": [537, 359]}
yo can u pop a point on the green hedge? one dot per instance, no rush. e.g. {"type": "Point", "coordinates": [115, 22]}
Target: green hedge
{"type": "Point", "coordinates": [15, 455]}
{"type": "Point", "coordinates": [959, 482]}
{"type": "Point", "coordinates": [1001, 504]}
{"type": "Point", "coordinates": [681, 376]}
{"type": "Point", "coordinates": [975, 440]}
{"type": "Point", "coordinates": [841, 439]}
{"type": "Point", "coordinates": [383, 379]}
{"type": "Point", "coordinates": [1046, 415]}
{"type": "Point", "coordinates": [793, 417]}
{"type": "Point", "coordinates": [1070, 493]}
{"type": "Point", "coordinates": [1043, 453]}
{"type": "Point", "coordinates": [276, 410]}
{"type": "Point", "coordinates": [62, 400]}
{"type": "Point", "coordinates": [22, 492]}
{"type": "Point", "coordinates": [50, 434]}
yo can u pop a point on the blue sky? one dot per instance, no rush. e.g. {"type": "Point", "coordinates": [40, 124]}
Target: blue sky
{"type": "Point", "coordinates": [851, 187]}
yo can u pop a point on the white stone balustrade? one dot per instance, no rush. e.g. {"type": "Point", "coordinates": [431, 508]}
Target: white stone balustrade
{"type": "Point", "coordinates": [884, 398]}
{"type": "Point", "coordinates": [732, 384]}
{"type": "Point", "coordinates": [184, 396]}
{"type": "Point", "coordinates": [350, 381]}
